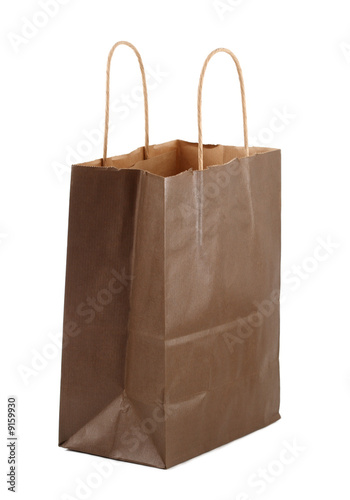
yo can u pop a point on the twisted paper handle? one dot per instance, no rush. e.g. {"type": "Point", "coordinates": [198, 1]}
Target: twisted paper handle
{"type": "Point", "coordinates": [145, 96]}
{"type": "Point", "coordinates": [199, 104]}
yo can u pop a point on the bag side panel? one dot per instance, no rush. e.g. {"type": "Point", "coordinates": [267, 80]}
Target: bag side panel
{"type": "Point", "coordinates": [222, 303]}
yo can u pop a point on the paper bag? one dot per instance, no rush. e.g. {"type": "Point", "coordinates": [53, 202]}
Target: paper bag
{"type": "Point", "coordinates": [171, 321]}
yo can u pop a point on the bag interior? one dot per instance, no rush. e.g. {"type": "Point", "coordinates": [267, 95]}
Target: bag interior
{"type": "Point", "coordinates": [172, 158]}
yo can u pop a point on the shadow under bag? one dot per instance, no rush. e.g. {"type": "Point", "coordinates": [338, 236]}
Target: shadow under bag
{"type": "Point", "coordinates": [171, 318]}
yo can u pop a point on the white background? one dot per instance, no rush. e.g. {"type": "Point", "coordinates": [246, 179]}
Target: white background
{"type": "Point", "coordinates": [295, 57]}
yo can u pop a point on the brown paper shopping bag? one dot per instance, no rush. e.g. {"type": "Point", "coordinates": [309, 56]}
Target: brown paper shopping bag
{"type": "Point", "coordinates": [171, 321]}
